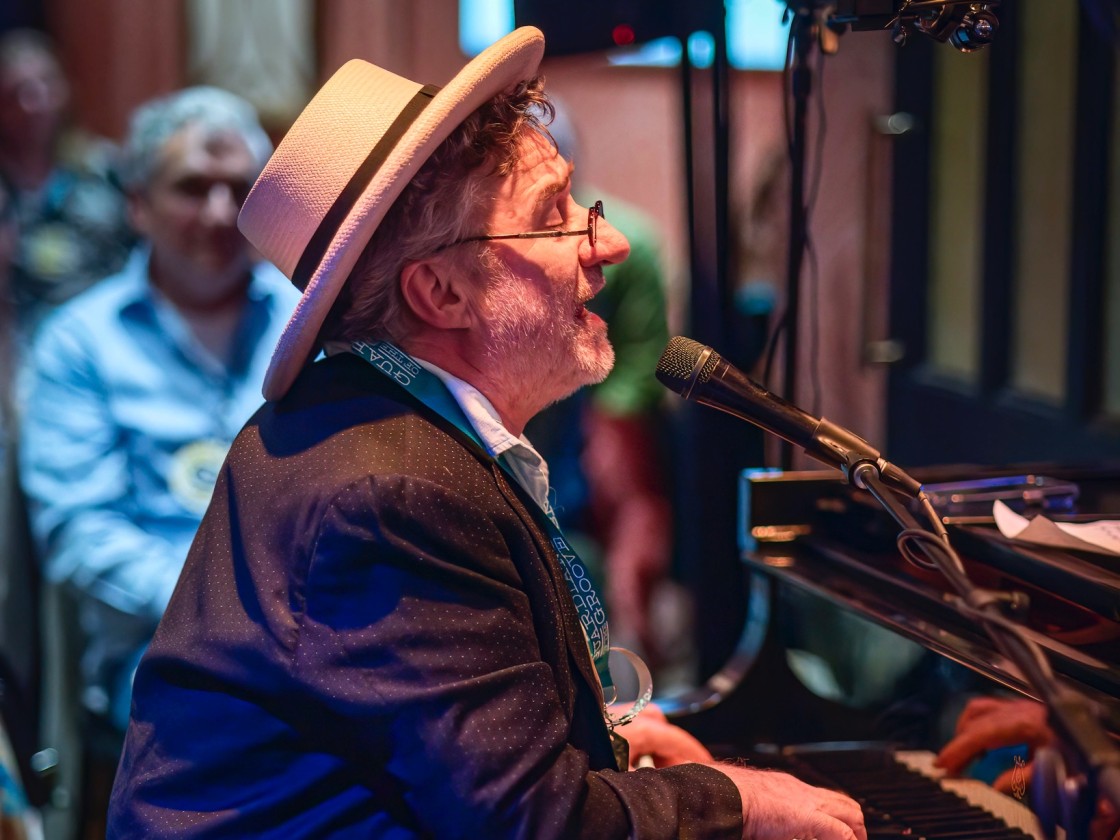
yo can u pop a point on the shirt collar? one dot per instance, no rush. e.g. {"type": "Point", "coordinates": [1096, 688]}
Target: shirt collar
{"type": "Point", "coordinates": [480, 412]}
{"type": "Point", "coordinates": [519, 456]}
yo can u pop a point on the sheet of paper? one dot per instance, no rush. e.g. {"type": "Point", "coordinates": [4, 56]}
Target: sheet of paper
{"type": "Point", "coordinates": [1102, 537]}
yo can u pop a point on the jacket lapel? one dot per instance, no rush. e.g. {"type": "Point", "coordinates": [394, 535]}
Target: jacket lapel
{"type": "Point", "coordinates": [550, 568]}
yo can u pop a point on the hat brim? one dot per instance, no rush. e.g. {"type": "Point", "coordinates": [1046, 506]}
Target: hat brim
{"type": "Point", "coordinates": [513, 59]}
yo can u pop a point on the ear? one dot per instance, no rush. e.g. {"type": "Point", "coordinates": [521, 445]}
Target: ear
{"type": "Point", "coordinates": [438, 294]}
{"type": "Point", "coordinates": [138, 213]}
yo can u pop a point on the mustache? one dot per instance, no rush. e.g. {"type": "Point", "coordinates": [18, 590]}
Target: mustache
{"type": "Point", "coordinates": [595, 278]}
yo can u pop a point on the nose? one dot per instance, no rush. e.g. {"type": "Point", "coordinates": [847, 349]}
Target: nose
{"type": "Point", "coordinates": [610, 247]}
{"type": "Point", "coordinates": [222, 206]}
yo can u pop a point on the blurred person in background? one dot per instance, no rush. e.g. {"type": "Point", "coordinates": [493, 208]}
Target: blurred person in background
{"type": "Point", "coordinates": [18, 819]}
{"type": "Point", "coordinates": [71, 218]}
{"type": "Point", "coordinates": [19, 612]}
{"type": "Point", "coordinates": [65, 227]}
{"type": "Point", "coordinates": [8, 237]}
{"type": "Point", "coordinates": [137, 386]}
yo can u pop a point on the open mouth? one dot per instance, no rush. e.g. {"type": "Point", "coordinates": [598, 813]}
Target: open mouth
{"type": "Point", "coordinates": [592, 289]}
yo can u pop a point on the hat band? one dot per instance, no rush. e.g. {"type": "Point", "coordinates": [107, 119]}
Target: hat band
{"type": "Point", "coordinates": [325, 233]}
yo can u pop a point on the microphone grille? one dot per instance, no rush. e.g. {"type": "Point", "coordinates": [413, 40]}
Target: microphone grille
{"type": "Point", "coordinates": [678, 361]}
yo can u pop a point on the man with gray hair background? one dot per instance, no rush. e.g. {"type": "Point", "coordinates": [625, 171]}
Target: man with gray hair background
{"type": "Point", "coordinates": [136, 387]}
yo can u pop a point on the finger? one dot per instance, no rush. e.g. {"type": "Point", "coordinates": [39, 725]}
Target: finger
{"type": "Point", "coordinates": [1008, 730]}
{"type": "Point", "coordinates": [679, 747]}
{"type": "Point", "coordinates": [833, 799]}
{"type": "Point", "coordinates": [1013, 782]}
{"type": "Point", "coordinates": [827, 827]}
{"type": "Point", "coordinates": [847, 810]}
{"type": "Point", "coordinates": [834, 807]}
{"type": "Point", "coordinates": [653, 712]}
{"type": "Point", "coordinates": [977, 707]}
{"type": "Point", "coordinates": [665, 743]}
{"type": "Point", "coordinates": [957, 754]}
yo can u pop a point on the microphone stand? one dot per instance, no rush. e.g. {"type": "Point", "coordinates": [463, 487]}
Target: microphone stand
{"type": "Point", "coordinates": [1087, 746]}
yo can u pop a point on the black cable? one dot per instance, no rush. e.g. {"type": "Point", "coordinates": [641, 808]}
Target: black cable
{"type": "Point", "coordinates": [813, 299]}
{"type": "Point", "coordinates": [782, 322]}
{"type": "Point", "coordinates": [772, 347]}
{"type": "Point", "coordinates": [817, 172]}
{"type": "Point", "coordinates": [787, 85]}
{"type": "Point", "coordinates": [822, 122]}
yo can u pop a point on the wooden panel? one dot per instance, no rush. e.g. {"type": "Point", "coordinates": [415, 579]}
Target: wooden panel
{"type": "Point", "coordinates": [418, 40]}
{"type": "Point", "coordinates": [263, 50]}
{"type": "Point", "coordinates": [118, 54]}
{"type": "Point", "coordinates": [1044, 208]}
{"type": "Point", "coordinates": [957, 212]}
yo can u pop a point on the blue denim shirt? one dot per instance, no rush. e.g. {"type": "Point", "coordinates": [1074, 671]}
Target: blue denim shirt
{"type": "Point", "coordinates": [126, 421]}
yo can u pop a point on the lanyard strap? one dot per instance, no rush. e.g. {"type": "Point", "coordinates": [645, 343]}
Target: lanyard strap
{"type": "Point", "coordinates": [430, 390]}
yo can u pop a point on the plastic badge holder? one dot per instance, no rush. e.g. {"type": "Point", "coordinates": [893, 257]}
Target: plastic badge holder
{"type": "Point", "coordinates": [1021, 493]}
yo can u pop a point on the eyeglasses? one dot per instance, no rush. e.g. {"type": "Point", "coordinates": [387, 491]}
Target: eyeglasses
{"type": "Point", "coordinates": [198, 188]}
{"type": "Point", "coordinates": [591, 231]}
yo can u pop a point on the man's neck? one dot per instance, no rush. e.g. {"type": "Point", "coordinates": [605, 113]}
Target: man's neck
{"type": "Point", "coordinates": [212, 321]}
{"type": "Point", "coordinates": [215, 331]}
{"type": "Point", "coordinates": [512, 400]}
{"type": "Point", "coordinates": [182, 289]}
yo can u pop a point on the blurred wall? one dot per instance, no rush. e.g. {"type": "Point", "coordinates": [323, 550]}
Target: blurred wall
{"type": "Point", "coordinates": [118, 53]}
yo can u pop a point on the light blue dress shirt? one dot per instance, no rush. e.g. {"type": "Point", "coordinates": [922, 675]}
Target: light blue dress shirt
{"type": "Point", "coordinates": [126, 420]}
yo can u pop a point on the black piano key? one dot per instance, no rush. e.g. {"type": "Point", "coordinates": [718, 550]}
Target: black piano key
{"type": "Point", "coordinates": [971, 833]}
{"type": "Point", "coordinates": [924, 800]}
{"type": "Point", "coordinates": [963, 825]}
{"type": "Point", "coordinates": [906, 833]}
{"type": "Point", "coordinates": [956, 822]}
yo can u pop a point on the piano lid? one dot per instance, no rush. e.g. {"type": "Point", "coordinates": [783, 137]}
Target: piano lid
{"type": "Point", "coordinates": [816, 533]}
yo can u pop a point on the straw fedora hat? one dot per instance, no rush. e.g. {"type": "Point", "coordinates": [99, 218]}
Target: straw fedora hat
{"type": "Point", "coordinates": [343, 163]}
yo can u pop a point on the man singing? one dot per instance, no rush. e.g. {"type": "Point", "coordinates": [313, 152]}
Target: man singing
{"type": "Point", "coordinates": [380, 631]}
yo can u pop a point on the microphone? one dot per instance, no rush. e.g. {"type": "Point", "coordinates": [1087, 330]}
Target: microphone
{"type": "Point", "coordinates": [698, 373]}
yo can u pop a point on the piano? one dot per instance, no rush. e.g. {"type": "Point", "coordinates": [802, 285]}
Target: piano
{"type": "Point", "coordinates": [812, 545]}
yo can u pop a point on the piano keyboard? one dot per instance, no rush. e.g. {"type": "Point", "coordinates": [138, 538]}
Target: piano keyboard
{"type": "Point", "coordinates": [1011, 811]}
{"type": "Point", "coordinates": [903, 797]}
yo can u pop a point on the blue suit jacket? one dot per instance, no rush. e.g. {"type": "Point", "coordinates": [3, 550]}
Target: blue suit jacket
{"type": "Point", "coordinates": [372, 638]}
